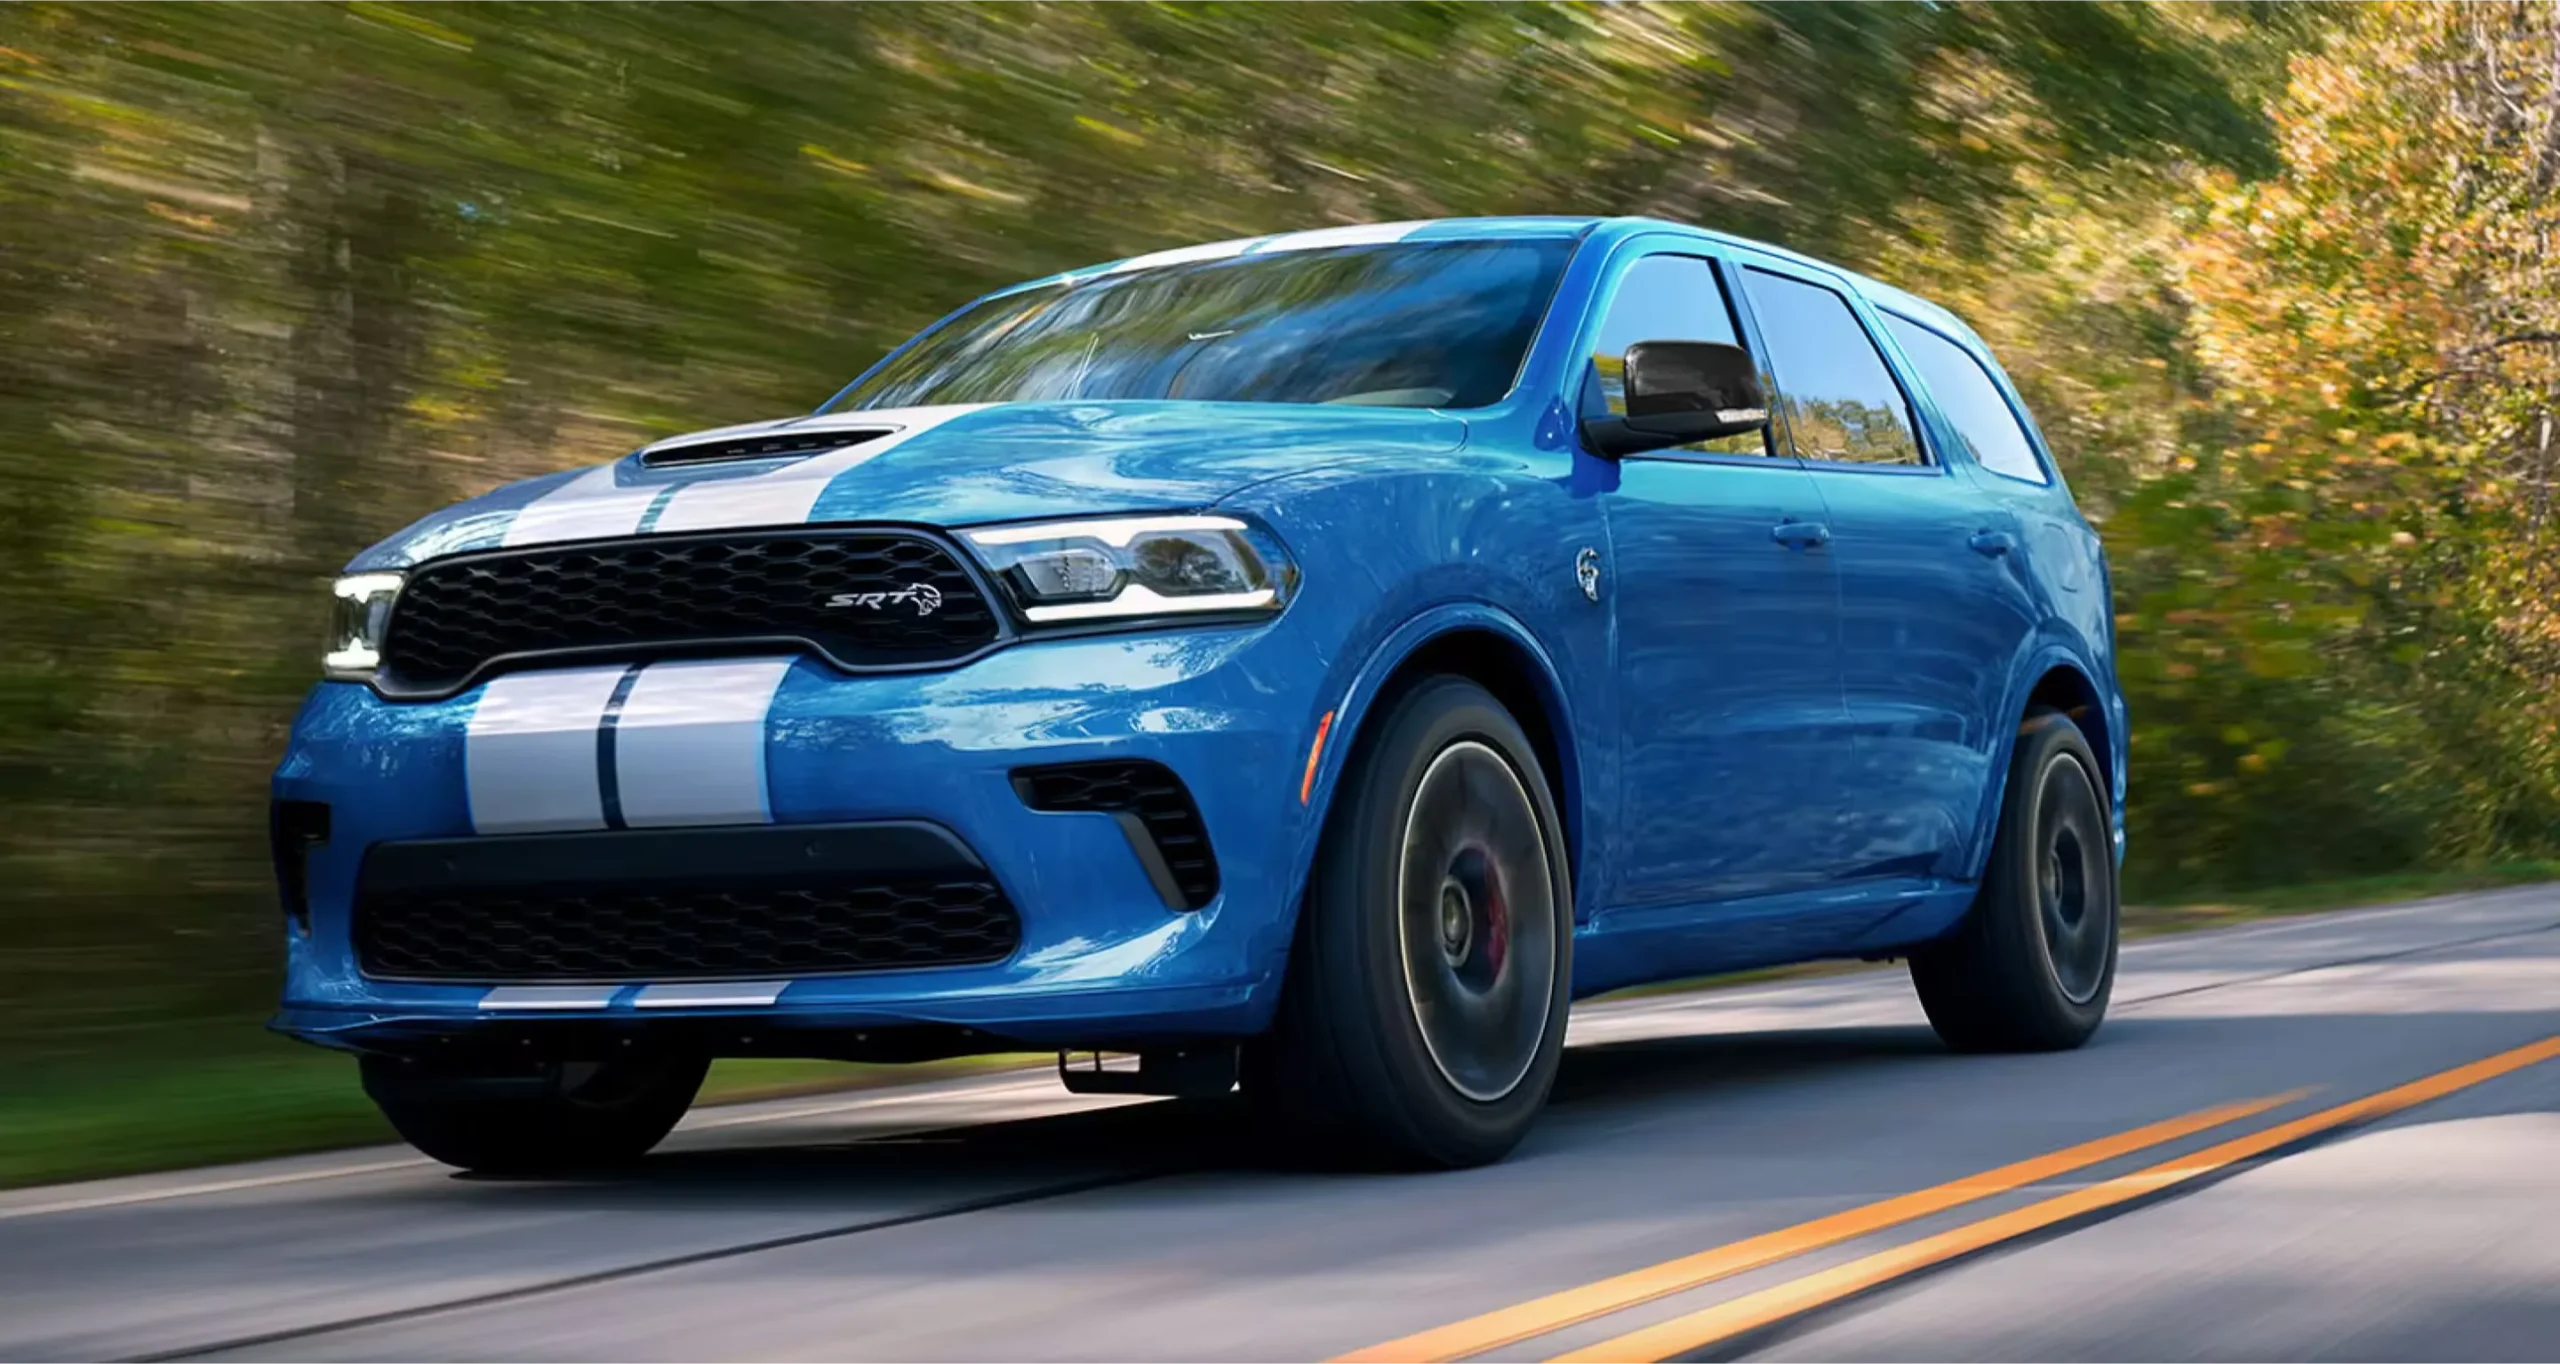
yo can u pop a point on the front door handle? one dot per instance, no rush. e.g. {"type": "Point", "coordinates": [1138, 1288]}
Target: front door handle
{"type": "Point", "coordinates": [1800, 534]}
{"type": "Point", "coordinates": [1991, 544]}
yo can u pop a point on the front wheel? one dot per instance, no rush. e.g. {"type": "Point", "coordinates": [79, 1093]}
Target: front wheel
{"type": "Point", "coordinates": [1422, 1020]}
{"type": "Point", "coordinates": [558, 1117]}
{"type": "Point", "coordinates": [2032, 965]}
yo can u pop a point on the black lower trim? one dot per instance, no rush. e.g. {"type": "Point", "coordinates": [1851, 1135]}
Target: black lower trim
{"type": "Point", "coordinates": [885, 849]}
{"type": "Point", "coordinates": [505, 1041]}
{"type": "Point", "coordinates": [765, 901]}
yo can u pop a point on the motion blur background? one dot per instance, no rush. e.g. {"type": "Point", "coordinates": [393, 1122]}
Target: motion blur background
{"type": "Point", "coordinates": [2279, 281]}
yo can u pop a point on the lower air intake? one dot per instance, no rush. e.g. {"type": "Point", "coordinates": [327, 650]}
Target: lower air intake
{"type": "Point", "coordinates": [635, 934]}
{"type": "Point", "coordinates": [1163, 825]}
{"type": "Point", "coordinates": [753, 902]}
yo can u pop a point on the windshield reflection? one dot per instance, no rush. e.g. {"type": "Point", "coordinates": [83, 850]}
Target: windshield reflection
{"type": "Point", "coordinates": [1440, 324]}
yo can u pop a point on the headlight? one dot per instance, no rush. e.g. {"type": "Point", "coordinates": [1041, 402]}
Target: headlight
{"type": "Point", "coordinates": [359, 608]}
{"type": "Point", "coordinates": [1138, 566]}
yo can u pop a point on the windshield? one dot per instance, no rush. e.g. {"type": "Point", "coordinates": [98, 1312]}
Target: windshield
{"type": "Point", "coordinates": [1440, 324]}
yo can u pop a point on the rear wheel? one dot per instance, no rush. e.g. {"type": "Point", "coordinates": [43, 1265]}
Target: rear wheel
{"type": "Point", "coordinates": [2032, 965]}
{"type": "Point", "coordinates": [1423, 1015]}
{"type": "Point", "coordinates": [557, 1117]}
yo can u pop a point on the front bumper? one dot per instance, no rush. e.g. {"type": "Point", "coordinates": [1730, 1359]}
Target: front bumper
{"type": "Point", "coordinates": [1102, 957]}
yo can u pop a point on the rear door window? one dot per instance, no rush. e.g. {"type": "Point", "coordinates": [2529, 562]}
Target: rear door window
{"type": "Point", "coordinates": [1840, 398]}
{"type": "Point", "coordinates": [1970, 401]}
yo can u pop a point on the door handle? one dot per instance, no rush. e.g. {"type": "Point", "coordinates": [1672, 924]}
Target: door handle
{"type": "Point", "coordinates": [1800, 534]}
{"type": "Point", "coordinates": [1991, 544]}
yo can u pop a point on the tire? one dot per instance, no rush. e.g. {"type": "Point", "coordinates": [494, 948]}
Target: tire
{"type": "Point", "coordinates": [554, 1118]}
{"type": "Point", "coordinates": [1422, 1018]}
{"type": "Point", "coordinates": [2033, 963]}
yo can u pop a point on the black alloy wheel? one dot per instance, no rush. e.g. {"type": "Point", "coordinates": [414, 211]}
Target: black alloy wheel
{"type": "Point", "coordinates": [1478, 921]}
{"type": "Point", "coordinates": [1422, 1019]}
{"type": "Point", "coordinates": [2031, 966]}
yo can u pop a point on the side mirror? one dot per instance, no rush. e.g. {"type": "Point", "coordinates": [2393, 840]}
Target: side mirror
{"type": "Point", "coordinates": [1681, 392]}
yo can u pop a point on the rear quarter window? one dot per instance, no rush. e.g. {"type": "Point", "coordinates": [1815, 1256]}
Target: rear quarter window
{"type": "Point", "coordinates": [1971, 402]}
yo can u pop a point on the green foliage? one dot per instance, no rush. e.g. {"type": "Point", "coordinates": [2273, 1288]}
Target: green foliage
{"type": "Point", "coordinates": [2299, 408]}
{"type": "Point", "coordinates": [276, 279]}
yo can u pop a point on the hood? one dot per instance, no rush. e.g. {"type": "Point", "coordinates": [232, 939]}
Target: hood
{"type": "Point", "coordinates": [943, 466]}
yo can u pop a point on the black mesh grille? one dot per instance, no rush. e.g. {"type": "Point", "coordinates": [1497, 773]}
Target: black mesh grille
{"type": "Point", "coordinates": [863, 599]}
{"type": "Point", "coordinates": [1148, 790]}
{"type": "Point", "coordinates": [637, 933]}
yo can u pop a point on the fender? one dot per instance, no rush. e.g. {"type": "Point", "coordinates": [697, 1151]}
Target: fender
{"type": "Point", "coordinates": [2054, 645]}
{"type": "Point", "coordinates": [1352, 704]}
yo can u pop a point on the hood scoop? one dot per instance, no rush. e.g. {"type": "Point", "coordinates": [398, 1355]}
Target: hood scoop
{"type": "Point", "coordinates": [685, 451]}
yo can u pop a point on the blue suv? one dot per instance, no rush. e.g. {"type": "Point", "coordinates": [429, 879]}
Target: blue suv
{"type": "Point", "coordinates": [1306, 664]}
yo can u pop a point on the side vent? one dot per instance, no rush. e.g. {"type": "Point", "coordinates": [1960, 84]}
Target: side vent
{"type": "Point", "coordinates": [295, 828]}
{"type": "Point", "coordinates": [1155, 814]}
{"type": "Point", "coordinates": [774, 445]}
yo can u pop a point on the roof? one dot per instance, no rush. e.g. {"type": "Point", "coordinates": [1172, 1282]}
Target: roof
{"type": "Point", "coordinates": [1529, 227]}
{"type": "Point", "coordinates": [1356, 234]}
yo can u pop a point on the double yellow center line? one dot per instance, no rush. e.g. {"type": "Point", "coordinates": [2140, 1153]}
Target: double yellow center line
{"type": "Point", "coordinates": [1754, 1311]}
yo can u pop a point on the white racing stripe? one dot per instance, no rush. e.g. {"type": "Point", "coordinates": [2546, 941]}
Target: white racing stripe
{"type": "Point", "coordinates": [544, 997]}
{"type": "Point", "coordinates": [596, 505]}
{"type": "Point", "coordinates": [529, 756]}
{"type": "Point", "coordinates": [689, 746]}
{"type": "Point", "coordinates": [786, 496]}
{"type": "Point", "coordinates": [686, 747]}
{"type": "Point", "coordinates": [588, 507]}
{"type": "Point", "coordinates": [711, 994]}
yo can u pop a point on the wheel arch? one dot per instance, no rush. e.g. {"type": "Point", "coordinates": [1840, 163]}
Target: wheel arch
{"type": "Point", "coordinates": [2057, 678]}
{"type": "Point", "coordinates": [1486, 646]}
{"type": "Point", "coordinates": [2064, 687]}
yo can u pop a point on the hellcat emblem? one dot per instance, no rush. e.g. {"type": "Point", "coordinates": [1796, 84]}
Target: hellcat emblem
{"type": "Point", "coordinates": [925, 597]}
{"type": "Point", "coordinates": [1586, 571]}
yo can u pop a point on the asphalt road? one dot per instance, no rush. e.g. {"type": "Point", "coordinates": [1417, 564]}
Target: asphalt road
{"type": "Point", "coordinates": [2284, 1144]}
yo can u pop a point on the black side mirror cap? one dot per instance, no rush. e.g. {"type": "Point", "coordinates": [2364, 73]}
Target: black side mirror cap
{"type": "Point", "coordinates": [1681, 392]}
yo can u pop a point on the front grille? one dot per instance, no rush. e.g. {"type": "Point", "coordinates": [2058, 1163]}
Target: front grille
{"type": "Point", "coordinates": [860, 598]}
{"type": "Point", "coordinates": [637, 933]}
{"type": "Point", "coordinates": [1148, 791]}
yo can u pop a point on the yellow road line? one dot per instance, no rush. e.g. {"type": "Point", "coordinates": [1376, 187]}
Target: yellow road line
{"type": "Point", "coordinates": [1510, 1325]}
{"type": "Point", "coordinates": [1753, 1311]}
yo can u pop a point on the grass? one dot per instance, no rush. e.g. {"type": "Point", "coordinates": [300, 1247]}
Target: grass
{"type": "Point", "coordinates": [62, 1124]}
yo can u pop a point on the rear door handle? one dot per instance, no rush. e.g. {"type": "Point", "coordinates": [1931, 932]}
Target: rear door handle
{"type": "Point", "coordinates": [1991, 544]}
{"type": "Point", "coordinates": [1800, 534]}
